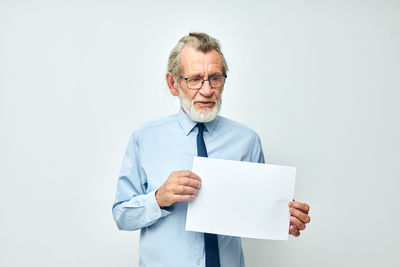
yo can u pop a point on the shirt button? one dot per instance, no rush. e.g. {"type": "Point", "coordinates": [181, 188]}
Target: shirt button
{"type": "Point", "coordinates": [198, 262]}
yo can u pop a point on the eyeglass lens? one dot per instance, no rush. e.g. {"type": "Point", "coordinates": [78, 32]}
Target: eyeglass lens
{"type": "Point", "coordinates": [197, 82]}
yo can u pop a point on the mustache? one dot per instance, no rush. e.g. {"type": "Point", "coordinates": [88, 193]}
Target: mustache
{"type": "Point", "coordinates": [204, 99]}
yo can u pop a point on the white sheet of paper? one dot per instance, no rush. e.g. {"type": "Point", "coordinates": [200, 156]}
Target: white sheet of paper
{"type": "Point", "coordinates": [241, 199]}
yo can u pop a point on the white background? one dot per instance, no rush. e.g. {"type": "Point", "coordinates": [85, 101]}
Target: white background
{"type": "Point", "coordinates": [318, 80]}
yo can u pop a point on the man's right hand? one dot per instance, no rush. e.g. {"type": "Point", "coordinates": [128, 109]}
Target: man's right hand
{"type": "Point", "coordinates": [180, 186]}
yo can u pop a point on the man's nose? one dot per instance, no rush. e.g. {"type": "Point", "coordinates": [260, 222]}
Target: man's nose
{"type": "Point", "coordinates": [206, 89]}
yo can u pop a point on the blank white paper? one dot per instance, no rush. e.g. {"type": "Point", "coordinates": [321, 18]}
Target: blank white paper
{"type": "Point", "coordinates": [241, 199]}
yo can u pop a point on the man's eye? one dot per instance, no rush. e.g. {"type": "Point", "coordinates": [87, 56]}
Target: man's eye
{"type": "Point", "coordinates": [195, 79]}
{"type": "Point", "coordinates": [215, 78]}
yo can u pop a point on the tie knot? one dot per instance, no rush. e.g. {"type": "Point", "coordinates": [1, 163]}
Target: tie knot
{"type": "Point", "coordinates": [200, 126]}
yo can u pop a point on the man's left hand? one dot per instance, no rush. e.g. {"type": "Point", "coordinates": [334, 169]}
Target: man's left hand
{"type": "Point", "coordinates": [299, 217]}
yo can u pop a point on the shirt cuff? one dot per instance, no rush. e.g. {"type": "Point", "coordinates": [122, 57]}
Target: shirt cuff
{"type": "Point", "coordinates": [155, 209]}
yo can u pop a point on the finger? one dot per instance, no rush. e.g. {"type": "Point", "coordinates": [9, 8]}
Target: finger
{"type": "Point", "coordinates": [185, 181]}
{"type": "Point", "coordinates": [304, 207]}
{"type": "Point", "coordinates": [294, 231]}
{"type": "Point", "coordinates": [184, 190]}
{"type": "Point", "coordinates": [300, 215]}
{"type": "Point", "coordinates": [179, 198]}
{"type": "Point", "coordinates": [296, 222]}
{"type": "Point", "coordinates": [189, 174]}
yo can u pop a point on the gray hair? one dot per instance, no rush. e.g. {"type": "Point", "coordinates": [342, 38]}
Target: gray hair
{"type": "Point", "coordinates": [198, 40]}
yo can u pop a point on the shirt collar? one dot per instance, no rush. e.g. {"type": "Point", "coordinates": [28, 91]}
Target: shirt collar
{"type": "Point", "coordinates": [187, 124]}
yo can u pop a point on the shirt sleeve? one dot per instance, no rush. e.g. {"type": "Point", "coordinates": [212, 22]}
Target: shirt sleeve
{"type": "Point", "coordinates": [258, 154]}
{"type": "Point", "coordinates": [134, 208]}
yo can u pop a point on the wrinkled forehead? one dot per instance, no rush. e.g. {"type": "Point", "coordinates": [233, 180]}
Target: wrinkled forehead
{"type": "Point", "coordinates": [197, 61]}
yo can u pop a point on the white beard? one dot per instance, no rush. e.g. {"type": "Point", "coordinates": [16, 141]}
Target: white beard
{"type": "Point", "coordinates": [203, 115]}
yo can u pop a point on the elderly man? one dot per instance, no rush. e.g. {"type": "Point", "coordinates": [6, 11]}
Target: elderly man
{"type": "Point", "coordinates": [155, 182]}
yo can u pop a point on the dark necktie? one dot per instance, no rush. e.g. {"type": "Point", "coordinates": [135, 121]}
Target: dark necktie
{"type": "Point", "coordinates": [210, 240]}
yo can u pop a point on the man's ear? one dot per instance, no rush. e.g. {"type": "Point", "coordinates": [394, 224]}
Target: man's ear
{"type": "Point", "coordinates": [172, 86]}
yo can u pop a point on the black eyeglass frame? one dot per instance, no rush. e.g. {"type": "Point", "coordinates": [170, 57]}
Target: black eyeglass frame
{"type": "Point", "coordinates": [202, 83]}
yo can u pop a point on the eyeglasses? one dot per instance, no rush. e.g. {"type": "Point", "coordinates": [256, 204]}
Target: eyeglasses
{"type": "Point", "coordinates": [195, 83]}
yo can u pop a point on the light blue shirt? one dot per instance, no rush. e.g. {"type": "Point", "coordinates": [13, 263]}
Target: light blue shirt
{"type": "Point", "coordinates": [154, 151]}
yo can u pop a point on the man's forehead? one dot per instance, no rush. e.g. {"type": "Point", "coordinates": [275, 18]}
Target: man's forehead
{"type": "Point", "coordinates": [192, 59]}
